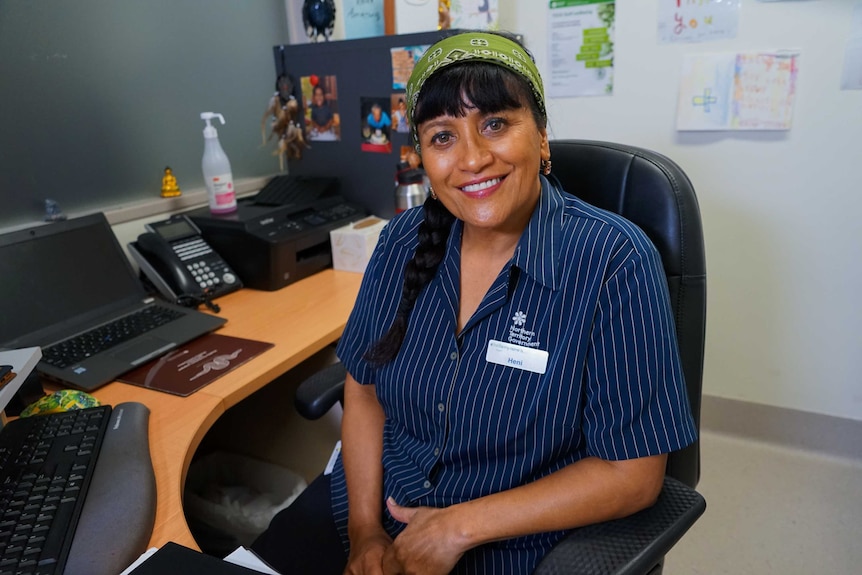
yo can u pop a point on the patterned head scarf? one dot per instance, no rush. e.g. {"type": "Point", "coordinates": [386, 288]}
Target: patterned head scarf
{"type": "Point", "coordinates": [475, 46]}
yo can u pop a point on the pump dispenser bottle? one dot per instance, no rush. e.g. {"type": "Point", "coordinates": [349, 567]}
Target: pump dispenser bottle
{"type": "Point", "coordinates": [216, 169]}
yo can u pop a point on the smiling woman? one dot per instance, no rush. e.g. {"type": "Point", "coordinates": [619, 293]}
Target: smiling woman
{"type": "Point", "coordinates": [507, 355]}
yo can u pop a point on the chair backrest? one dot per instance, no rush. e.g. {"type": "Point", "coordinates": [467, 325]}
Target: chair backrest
{"type": "Point", "coordinates": [654, 193]}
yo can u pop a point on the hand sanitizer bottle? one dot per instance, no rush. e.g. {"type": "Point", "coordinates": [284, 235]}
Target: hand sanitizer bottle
{"type": "Point", "coordinates": [216, 169]}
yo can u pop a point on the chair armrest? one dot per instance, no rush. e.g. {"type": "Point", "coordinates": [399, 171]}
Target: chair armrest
{"type": "Point", "coordinates": [317, 394]}
{"type": "Point", "coordinates": [629, 546]}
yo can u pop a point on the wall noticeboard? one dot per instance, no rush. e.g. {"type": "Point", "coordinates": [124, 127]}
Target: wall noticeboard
{"type": "Point", "coordinates": [362, 69]}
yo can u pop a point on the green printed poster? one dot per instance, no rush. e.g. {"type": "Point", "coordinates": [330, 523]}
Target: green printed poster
{"type": "Point", "coordinates": [581, 48]}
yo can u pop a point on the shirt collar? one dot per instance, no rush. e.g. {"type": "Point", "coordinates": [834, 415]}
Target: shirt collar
{"type": "Point", "coordinates": [536, 253]}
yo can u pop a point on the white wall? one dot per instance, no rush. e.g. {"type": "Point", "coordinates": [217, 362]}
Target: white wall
{"type": "Point", "coordinates": [780, 210]}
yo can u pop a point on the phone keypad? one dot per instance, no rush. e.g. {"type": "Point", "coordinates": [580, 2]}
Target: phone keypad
{"type": "Point", "coordinates": [207, 267]}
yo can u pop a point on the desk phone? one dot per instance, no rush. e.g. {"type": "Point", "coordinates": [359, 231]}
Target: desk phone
{"type": "Point", "coordinates": [179, 262]}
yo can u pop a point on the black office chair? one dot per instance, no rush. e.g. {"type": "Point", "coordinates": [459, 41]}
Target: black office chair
{"type": "Point", "coordinates": [654, 193]}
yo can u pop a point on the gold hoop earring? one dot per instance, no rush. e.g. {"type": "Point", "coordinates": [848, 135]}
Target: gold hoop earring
{"type": "Point", "coordinates": [545, 167]}
{"type": "Point", "coordinates": [433, 195]}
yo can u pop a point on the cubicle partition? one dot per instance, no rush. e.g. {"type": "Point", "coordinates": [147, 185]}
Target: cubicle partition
{"type": "Point", "coordinates": [363, 73]}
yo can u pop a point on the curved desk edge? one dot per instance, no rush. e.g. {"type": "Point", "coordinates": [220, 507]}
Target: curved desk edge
{"type": "Point", "coordinates": [300, 320]}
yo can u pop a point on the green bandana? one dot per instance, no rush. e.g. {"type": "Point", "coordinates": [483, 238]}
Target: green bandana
{"type": "Point", "coordinates": [480, 46]}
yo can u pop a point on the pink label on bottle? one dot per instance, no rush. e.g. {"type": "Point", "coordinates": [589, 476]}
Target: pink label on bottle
{"type": "Point", "coordinates": [225, 198]}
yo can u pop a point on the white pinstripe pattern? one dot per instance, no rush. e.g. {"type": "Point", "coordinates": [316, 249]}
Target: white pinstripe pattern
{"type": "Point", "coordinates": [594, 293]}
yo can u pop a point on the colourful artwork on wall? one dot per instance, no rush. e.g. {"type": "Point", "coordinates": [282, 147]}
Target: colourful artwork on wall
{"type": "Point", "coordinates": [737, 91]}
{"type": "Point", "coordinates": [697, 20]}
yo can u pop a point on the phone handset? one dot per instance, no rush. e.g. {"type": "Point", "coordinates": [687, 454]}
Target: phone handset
{"type": "Point", "coordinates": [167, 264]}
{"type": "Point", "coordinates": [181, 265]}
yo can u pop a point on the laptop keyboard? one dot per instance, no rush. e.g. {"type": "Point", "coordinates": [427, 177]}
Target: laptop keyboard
{"type": "Point", "coordinates": [46, 463]}
{"type": "Point", "coordinates": [73, 350]}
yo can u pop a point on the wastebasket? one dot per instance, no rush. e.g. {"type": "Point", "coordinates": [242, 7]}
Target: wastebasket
{"type": "Point", "coordinates": [229, 499]}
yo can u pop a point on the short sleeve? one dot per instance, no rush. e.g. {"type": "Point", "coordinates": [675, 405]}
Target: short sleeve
{"type": "Point", "coordinates": [379, 293]}
{"type": "Point", "coordinates": [636, 400]}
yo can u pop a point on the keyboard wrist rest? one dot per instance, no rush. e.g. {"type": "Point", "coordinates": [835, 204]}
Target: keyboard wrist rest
{"type": "Point", "coordinates": [120, 508]}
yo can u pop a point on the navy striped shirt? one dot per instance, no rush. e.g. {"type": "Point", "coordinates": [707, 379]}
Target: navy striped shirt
{"type": "Point", "coordinates": [584, 285]}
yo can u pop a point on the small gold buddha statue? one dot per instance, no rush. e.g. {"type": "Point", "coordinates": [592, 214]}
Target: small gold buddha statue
{"type": "Point", "coordinates": [170, 189]}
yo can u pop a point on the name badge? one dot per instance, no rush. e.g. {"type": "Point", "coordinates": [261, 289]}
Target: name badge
{"type": "Point", "coordinates": [517, 356]}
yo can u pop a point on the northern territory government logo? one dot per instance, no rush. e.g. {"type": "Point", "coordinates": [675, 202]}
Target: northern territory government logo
{"type": "Point", "coordinates": [520, 336]}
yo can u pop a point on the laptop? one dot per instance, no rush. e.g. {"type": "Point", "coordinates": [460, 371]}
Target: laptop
{"type": "Point", "coordinates": [64, 279]}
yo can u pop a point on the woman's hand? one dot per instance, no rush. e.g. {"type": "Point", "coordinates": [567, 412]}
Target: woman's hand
{"type": "Point", "coordinates": [366, 554]}
{"type": "Point", "coordinates": [430, 545]}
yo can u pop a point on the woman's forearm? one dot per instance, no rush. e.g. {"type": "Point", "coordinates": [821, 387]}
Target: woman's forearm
{"type": "Point", "coordinates": [586, 492]}
{"type": "Point", "coordinates": [362, 454]}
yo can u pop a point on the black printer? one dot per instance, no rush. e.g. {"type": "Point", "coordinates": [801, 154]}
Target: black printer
{"type": "Point", "coordinates": [281, 234]}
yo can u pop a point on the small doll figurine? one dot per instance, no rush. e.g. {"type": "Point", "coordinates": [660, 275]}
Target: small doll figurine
{"type": "Point", "coordinates": [170, 188]}
{"type": "Point", "coordinates": [283, 112]}
{"type": "Point", "coordinates": [53, 213]}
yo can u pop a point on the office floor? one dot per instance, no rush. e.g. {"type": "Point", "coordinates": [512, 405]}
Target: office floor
{"type": "Point", "coordinates": [772, 509]}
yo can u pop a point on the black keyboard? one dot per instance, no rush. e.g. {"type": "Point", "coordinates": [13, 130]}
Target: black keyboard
{"type": "Point", "coordinates": [67, 482]}
{"type": "Point", "coordinates": [47, 463]}
{"type": "Point", "coordinates": [73, 350]}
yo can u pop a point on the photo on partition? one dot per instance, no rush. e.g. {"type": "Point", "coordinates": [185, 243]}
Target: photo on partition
{"type": "Point", "coordinates": [320, 99]}
{"type": "Point", "coordinates": [399, 114]}
{"type": "Point", "coordinates": [403, 61]}
{"type": "Point", "coordinates": [376, 125]}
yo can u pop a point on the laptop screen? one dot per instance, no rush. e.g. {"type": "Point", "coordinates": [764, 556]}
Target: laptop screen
{"type": "Point", "coordinates": [53, 273]}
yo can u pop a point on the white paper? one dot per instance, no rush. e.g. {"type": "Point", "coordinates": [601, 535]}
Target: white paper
{"type": "Point", "coordinates": [415, 16]}
{"type": "Point", "coordinates": [474, 15]}
{"type": "Point", "coordinates": [737, 91]}
{"type": "Point", "coordinates": [245, 558]}
{"type": "Point", "coordinates": [697, 20]}
{"type": "Point", "coordinates": [333, 457]}
{"type": "Point", "coordinates": [581, 48]}
{"type": "Point", "coordinates": [144, 556]}
{"type": "Point", "coordinates": [23, 361]}
{"type": "Point", "coordinates": [240, 556]}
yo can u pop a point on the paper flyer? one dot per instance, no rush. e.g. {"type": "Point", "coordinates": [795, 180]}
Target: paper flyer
{"type": "Point", "coordinates": [737, 91]}
{"type": "Point", "coordinates": [473, 14]}
{"type": "Point", "coordinates": [697, 20]}
{"type": "Point", "coordinates": [581, 48]}
{"type": "Point", "coordinates": [363, 18]}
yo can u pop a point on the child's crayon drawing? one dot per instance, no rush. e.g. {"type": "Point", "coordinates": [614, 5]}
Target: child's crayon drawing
{"type": "Point", "coordinates": [746, 91]}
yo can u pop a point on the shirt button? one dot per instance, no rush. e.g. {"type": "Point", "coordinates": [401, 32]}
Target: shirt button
{"type": "Point", "coordinates": [453, 356]}
{"type": "Point", "coordinates": [441, 408]}
{"type": "Point", "coordinates": [436, 451]}
{"type": "Point", "coordinates": [427, 484]}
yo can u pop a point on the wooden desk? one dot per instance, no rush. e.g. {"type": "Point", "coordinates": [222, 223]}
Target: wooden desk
{"type": "Point", "coordinates": [300, 319]}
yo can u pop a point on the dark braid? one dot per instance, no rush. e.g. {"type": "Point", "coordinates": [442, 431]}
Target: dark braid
{"type": "Point", "coordinates": [433, 233]}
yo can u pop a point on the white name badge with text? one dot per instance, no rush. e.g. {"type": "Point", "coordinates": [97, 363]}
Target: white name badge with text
{"type": "Point", "coordinates": [517, 356]}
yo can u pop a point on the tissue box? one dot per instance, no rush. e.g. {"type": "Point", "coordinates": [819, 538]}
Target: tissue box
{"type": "Point", "coordinates": [353, 244]}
